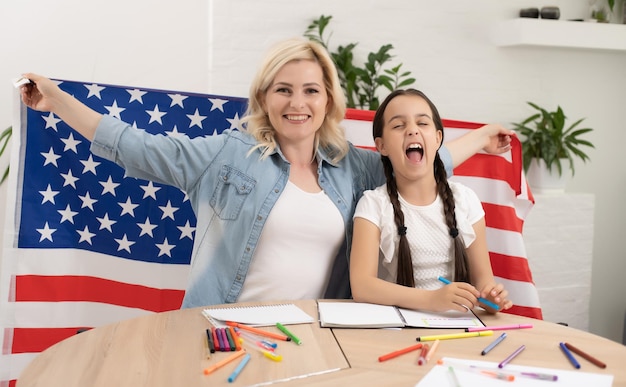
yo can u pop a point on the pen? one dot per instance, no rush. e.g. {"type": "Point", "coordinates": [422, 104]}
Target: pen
{"type": "Point", "coordinates": [220, 338]}
{"type": "Point", "coordinates": [288, 333]}
{"type": "Point", "coordinates": [209, 344]}
{"type": "Point", "coordinates": [258, 331]}
{"type": "Point", "coordinates": [230, 339]}
{"type": "Point", "coordinates": [493, 344]}
{"type": "Point", "coordinates": [267, 354]}
{"type": "Point", "coordinates": [480, 299]}
{"type": "Point", "coordinates": [585, 356]}
{"type": "Point", "coordinates": [569, 355]}
{"type": "Point", "coordinates": [239, 367]}
{"type": "Point", "coordinates": [432, 350]}
{"type": "Point", "coordinates": [455, 379]}
{"type": "Point", "coordinates": [235, 338]}
{"type": "Point", "coordinates": [499, 327]}
{"type": "Point", "coordinates": [511, 356]}
{"type": "Point", "coordinates": [454, 336]}
{"type": "Point", "coordinates": [477, 369]}
{"type": "Point", "coordinates": [268, 345]}
{"type": "Point", "coordinates": [216, 341]}
{"type": "Point", "coordinates": [399, 352]}
{"type": "Point", "coordinates": [422, 358]}
{"type": "Point", "coordinates": [223, 362]}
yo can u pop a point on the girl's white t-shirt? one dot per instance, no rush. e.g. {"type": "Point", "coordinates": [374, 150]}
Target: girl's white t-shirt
{"type": "Point", "coordinates": [427, 232]}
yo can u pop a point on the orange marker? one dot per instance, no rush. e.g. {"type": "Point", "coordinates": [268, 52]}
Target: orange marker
{"type": "Point", "coordinates": [432, 350]}
{"type": "Point", "coordinates": [399, 352]}
{"type": "Point", "coordinates": [235, 338]}
{"type": "Point", "coordinates": [222, 363]}
{"type": "Point", "coordinates": [258, 331]}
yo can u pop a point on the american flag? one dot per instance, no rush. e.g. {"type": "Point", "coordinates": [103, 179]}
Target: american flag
{"type": "Point", "coordinates": [90, 246]}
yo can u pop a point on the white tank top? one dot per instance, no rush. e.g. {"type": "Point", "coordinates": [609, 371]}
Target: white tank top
{"type": "Point", "coordinates": [297, 248]}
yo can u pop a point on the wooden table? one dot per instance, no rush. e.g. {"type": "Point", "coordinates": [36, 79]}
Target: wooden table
{"type": "Point", "coordinates": [169, 349]}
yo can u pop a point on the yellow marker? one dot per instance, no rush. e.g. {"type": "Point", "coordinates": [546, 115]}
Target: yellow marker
{"type": "Point", "coordinates": [454, 336]}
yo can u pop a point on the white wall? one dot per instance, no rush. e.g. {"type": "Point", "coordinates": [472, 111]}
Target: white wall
{"type": "Point", "coordinates": [214, 46]}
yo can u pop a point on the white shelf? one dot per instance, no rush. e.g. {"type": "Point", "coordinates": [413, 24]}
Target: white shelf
{"type": "Point", "coordinates": [559, 33]}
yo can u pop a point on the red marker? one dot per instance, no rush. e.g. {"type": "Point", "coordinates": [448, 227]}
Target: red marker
{"type": "Point", "coordinates": [422, 359]}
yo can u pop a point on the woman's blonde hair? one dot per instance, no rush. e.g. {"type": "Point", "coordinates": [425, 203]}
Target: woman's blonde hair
{"type": "Point", "coordinates": [330, 136]}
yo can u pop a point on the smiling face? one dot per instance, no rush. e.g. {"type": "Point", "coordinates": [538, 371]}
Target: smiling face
{"type": "Point", "coordinates": [409, 138]}
{"type": "Point", "coordinates": [296, 102]}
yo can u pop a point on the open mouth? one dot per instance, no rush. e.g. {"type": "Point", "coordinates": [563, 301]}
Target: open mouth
{"type": "Point", "coordinates": [415, 152]}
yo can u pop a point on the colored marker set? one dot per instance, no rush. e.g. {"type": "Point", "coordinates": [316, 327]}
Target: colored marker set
{"type": "Point", "coordinates": [235, 336]}
{"type": "Point", "coordinates": [222, 340]}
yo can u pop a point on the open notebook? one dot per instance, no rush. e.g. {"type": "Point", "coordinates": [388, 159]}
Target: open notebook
{"type": "Point", "coordinates": [260, 315]}
{"type": "Point", "coordinates": [365, 315]}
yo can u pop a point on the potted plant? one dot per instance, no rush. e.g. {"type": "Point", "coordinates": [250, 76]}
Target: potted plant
{"type": "Point", "coordinates": [361, 83]}
{"type": "Point", "coordinates": [547, 144]}
{"type": "Point", "coordinates": [5, 137]}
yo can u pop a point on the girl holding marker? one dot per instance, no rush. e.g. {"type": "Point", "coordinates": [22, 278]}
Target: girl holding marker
{"type": "Point", "coordinates": [419, 226]}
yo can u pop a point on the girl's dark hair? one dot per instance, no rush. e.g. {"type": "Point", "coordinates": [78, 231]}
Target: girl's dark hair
{"type": "Point", "coordinates": [405, 263]}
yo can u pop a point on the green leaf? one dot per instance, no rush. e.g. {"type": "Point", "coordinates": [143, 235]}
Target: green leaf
{"type": "Point", "coordinates": [360, 83]}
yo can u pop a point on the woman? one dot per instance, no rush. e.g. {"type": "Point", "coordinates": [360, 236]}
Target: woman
{"type": "Point", "coordinates": [273, 203]}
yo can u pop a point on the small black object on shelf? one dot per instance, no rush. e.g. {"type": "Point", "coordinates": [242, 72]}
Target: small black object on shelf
{"type": "Point", "coordinates": [529, 12]}
{"type": "Point", "coordinates": [550, 13]}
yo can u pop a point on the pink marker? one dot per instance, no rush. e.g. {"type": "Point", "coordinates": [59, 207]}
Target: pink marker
{"type": "Point", "coordinates": [499, 328]}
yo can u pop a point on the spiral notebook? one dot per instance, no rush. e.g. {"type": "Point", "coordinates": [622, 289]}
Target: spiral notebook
{"type": "Point", "coordinates": [261, 315]}
{"type": "Point", "coordinates": [365, 315]}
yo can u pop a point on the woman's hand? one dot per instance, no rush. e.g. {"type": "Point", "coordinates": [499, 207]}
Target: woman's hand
{"type": "Point", "coordinates": [41, 93]}
{"type": "Point", "coordinates": [44, 95]}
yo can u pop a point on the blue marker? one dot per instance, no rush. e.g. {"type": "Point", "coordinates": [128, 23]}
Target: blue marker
{"type": "Point", "coordinates": [569, 355]}
{"type": "Point", "coordinates": [493, 344]}
{"type": "Point", "coordinates": [480, 299]}
{"type": "Point", "coordinates": [240, 366]}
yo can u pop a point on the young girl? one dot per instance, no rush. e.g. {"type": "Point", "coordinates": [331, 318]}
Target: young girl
{"type": "Point", "coordinates": [419, 226]}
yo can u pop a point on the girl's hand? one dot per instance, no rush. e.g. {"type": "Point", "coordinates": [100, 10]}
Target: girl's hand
{"type": "Point", "coordinates": [459, 296]}
{"type": "Point", "coordinates": [496, 294]}
{"type": "Point", "coordinates": [498, 138]}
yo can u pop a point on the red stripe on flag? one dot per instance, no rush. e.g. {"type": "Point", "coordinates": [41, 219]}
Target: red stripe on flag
{"type": "Point", "coordinates": [509, 267]}
{"type": "Point", "coordinates": [502, 217]}
{"type": "Point", "coordinates": [490, 167]}
{"type": "Point", "coordinates": [360, 115]}
{"type": "Point", "coordinates": [368, 115]}
{"type": "Point", "coordinates": [527, 311]}
{"type": "Point", "coordinates": [92, 289]}
{"type": "Point", "coordinates": [32, 340]}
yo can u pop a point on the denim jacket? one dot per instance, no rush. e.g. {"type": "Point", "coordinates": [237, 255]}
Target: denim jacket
{"type": "Point", "coordinates": [232, 197]}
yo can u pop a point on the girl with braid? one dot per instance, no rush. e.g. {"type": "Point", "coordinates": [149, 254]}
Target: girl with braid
{"type": "Point", "coordinates": [419, 226]}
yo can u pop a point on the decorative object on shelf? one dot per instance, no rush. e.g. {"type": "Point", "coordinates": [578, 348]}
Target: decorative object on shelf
{"type": "Point", "coordinates": [553, 13]}
{"type": "Point", "coordinates": [546, 143]}
{"type": "Point", "coordinates": [5, 138]}
{"type": "Point", "coordinates": [532, 13]}
{"type": "Point", "coordinates": [360, 84]}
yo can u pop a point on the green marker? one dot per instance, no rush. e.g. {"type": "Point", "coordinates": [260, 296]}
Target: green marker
{"type": "Point", "coordinates": [289, 334]}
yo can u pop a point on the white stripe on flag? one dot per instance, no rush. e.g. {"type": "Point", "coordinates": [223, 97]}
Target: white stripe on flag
{"type": "Point", "coordinates": [71, 314]}
{"type": "Point", "coordinates": [88, 263]}
{"type": "Point", "coordinates": [521, 293]}
{"type": "Point", "coordinates": [506, 242]}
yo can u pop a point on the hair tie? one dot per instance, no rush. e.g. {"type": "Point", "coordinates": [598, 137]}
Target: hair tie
{"type": "Point", "coordinates": [402, 230]}
{"type": "Point", "coordinates": [454, 232]}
